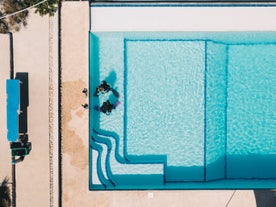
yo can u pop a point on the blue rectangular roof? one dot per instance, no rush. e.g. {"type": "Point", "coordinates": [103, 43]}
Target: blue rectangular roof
{"type": "Point", "coordinates": [13, 101]}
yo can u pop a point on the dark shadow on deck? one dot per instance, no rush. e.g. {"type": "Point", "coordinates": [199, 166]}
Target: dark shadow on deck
{"type": "Point", "coordinates": [24, 101]}
{"type": "Point", "coordinates": [265, 198]}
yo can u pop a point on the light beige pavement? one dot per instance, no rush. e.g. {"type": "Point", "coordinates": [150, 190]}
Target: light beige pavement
{"type": "Point", "coordinates": [75, 27]}
{"type": "Point", "coordinates": [5, 155]}
{"type": "Point", "coordinates": [31, 55]}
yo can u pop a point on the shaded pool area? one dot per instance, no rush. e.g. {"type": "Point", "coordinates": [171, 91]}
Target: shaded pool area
{"type": "Point", "coordinates": [197, 110]}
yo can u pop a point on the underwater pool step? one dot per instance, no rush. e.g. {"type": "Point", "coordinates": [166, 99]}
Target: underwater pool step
{"type": "Point", "coordinates": [118, 172]}
{"type": "Point", "coordinates": [112, 140]}
{"type": "Point", "coordinates": [102, 172]}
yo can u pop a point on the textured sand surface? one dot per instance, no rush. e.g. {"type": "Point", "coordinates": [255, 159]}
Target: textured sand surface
{"type": "Point", "coordinates": [5, 154]}
{"type": "Point", "coordinates": [75, 21]}
{"type": "Point", "coordinates": [31, 55]}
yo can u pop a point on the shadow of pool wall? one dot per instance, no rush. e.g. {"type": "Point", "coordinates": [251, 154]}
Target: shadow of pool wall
{"type": "Point", "coordinates": [240, 162]}
{"type": "Point", "coordinates": [24, 101]}
{"type": "Point", "coordinates": [251, 166]}
{"type": "Point", "coordinates": [215, 110]}
{"type": "Point", "coordinates": [94, 117]}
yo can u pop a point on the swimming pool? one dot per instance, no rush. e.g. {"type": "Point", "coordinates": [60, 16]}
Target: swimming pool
{"type": "Point", "coordinates": [197, 110]}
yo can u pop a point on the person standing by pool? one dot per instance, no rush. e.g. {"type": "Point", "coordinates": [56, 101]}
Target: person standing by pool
{"type": "Point", "coordinates": [85, 91]}
{"type": "Point", "coordinates": [86, 106]}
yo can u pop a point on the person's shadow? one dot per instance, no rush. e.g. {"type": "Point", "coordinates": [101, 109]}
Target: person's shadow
{"type": "Point", "coordinates": [111, 78]}
{"type": "Point", "coordinates": [24, 101]}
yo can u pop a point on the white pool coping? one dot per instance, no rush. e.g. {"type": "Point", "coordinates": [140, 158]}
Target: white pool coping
{"type": "Point", "coordinates": [182, 18]}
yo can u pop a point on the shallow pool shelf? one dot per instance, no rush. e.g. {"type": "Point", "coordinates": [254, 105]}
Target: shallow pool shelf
{"type": "Point", "coordinates": [196, 111]}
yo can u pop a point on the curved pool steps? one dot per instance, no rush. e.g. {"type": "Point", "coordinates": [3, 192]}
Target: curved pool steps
{"type": "Point", "coordinates": [102, 172]}
{"type": "Point", "coordinates": [112, 141]}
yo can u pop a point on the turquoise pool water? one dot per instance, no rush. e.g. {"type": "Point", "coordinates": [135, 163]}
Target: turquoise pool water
{"type": "Point", "coordinates": [197, 111]}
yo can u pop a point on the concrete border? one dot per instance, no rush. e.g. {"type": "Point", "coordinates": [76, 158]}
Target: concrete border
{"type": "Point", "coordinates": [53, 109]}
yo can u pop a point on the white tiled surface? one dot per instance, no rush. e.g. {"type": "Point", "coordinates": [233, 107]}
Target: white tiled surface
{"type": "Point", "coordinates": [183, 19]}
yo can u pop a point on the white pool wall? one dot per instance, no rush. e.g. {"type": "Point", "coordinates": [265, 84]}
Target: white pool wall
{"type": "Point", "coordinates": [183, 18]}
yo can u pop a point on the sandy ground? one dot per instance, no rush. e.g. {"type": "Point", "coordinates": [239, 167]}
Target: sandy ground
{"type": "Point", "coordinates": [75, 26]}
{"type": "Point", "coordinates": [31, 55]}
{"type": "Point", "coordinates": [5, 154]}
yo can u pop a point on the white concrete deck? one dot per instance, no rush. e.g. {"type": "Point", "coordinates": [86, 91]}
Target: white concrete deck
{"type": "Point", "coordinates": [114, 19]}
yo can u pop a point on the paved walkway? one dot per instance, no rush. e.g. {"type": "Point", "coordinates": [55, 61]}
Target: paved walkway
{"type": "Point", "coordinates": [5, 154]}
{"type": "Point", "coordinates": [31, 55]}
